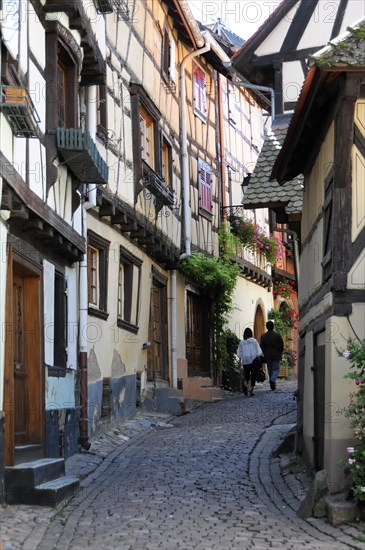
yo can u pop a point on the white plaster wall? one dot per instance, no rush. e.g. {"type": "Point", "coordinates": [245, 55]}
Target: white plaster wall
{"type": "Point", "coordinates": [37, 38]}
{"type": "Point", "coordinates": [10, 24]}
{"type": "Point", "coordinates": [37, 168]}
{"type": "Point", "coordinates": [6, 138]}
{"type": "Point", "coordinates": [37, 91]}
{"type": "Point", "coordinates": [19, 156]}
{"type": "Point", "coordinates": [274, 41]}
{"type": "Point", "coordinates": [293, 78]}
{"type": "Point", "coordinates": [356, 275]}
{"type": "Point", "coordinates": [77, 220]}
{"type": "Point", "coordinates": [319, 28]}
{"type": "Point", "coordinates": [358, 193]}
{"type": "Point", "coordinates": [59, 196]}
{"type": "Point", "coordinates": [354, 12]}
{"type": "Point", "coordinates": [60, 392]}
{"type": "Point", "coordinates": [247, 296]}
{"type": "Point", "coordinates": [311, 255]}
{"type": "Point", "coordinates": [23, 39]}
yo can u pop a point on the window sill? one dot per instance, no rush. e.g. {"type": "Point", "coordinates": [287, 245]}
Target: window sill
{"type": "Point", "coordinates": [95, 312]}
{"type": "Point", "coordinates": [205, 214]}
{"type": "Point", "coordinates": [127, 326]}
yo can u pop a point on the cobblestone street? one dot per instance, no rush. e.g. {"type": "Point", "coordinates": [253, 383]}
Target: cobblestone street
{"type": "Point", "coordinates": [204, 481]}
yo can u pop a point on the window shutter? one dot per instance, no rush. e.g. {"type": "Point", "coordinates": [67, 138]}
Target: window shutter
{"type": "Point", "coordinates": [196, 89]}
{"type": "Point", "coordinates": [205, 185]}
{"type": "Point", "coordinates": [203, 93]}
{"type": "Point", "coordinates": [173, 61]}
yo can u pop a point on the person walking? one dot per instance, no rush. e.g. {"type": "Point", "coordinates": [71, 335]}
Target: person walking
{"type": "Point", "coordinates": [248, 351]}
{"type": "Point", "coordinates": [272, 346]}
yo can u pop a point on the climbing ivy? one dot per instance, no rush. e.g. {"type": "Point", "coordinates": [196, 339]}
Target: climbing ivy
{"type": "Point", "coordinates": [219, 277]}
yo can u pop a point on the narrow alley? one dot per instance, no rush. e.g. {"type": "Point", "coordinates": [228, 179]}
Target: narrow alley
{"type": "Point", "coordinates": [203, 481]}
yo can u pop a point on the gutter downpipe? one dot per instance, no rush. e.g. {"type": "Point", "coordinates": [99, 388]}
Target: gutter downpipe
{"type": "Point", "coordinates": [83, 291]}
{"type": "Point", "coordinates": [209, 44]}
{"type": "Point", "coordinates": [250, 86]}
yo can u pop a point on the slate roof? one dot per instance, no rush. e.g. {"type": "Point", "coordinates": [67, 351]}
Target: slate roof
{"type": "Point", "coordinates": [231, 38]}
{"type": "Point", "coordinates": [346, 50]}
{"type": "Point", "coordinates": [261, 192]}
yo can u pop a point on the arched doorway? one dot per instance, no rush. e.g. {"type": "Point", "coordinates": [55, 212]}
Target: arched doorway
{"type": "Point", "coordinates": [259, 323]}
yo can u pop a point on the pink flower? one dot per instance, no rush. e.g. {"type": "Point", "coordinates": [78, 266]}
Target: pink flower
{"type": "Point", "coordinates": [358, 381]}
{"type": "Point", "coordinates": [351, 461]}
{"type": "Point", "coordinates": [350, 450]}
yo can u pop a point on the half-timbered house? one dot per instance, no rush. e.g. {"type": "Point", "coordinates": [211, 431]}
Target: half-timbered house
{"type": "Point", "coordinates": [326, 143]}
{"type": "Point", "coordinates": [274, 60]}
{"type": "Point", "coordinates": [50, 60]}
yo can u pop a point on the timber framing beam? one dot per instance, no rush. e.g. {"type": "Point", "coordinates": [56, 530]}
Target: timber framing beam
{"type": "Point", "coordinates": [143, 232]}
{"type": "Point", "coordinates": [34, 218]}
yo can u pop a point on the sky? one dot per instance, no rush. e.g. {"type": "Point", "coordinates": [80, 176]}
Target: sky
{"type": "Point", "coordinates": [241, 16]}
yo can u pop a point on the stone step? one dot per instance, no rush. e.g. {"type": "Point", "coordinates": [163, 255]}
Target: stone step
{"type": "Point", "coordinates": [51, 493]}
{"type": "Point", "coordinates": [27, 475]}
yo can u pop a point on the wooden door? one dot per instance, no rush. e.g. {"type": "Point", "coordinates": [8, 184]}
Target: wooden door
{"type": "Point", "coordinates": [21, 405]}
{"type": "Point", "coordinates": [157, 353]}
{"type": "Point", "coordinates": [197, 336]}
{"type": "Point", "coordinates": [259, 323]}
{"type": "Point", "coordinates": [24, 373]}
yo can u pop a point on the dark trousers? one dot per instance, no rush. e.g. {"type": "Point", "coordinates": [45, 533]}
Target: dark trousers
{"type": "Point", "coordinates": [249, 374]}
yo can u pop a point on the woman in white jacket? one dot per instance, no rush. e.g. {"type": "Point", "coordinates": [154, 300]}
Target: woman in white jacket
{"type": "Point", "coordinates": [248, 350]}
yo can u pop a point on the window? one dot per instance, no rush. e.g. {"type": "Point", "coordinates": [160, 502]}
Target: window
{"type": "Point", "coordinates": [62, 76]}
{"type": "Point", "coordinates": [93, 265]}
{"type": "Point", "coordinates": [129, 283]}
{"type": "Point", "coordinates": [60, 326]}
{"type": "Point", "coordinates": [55, 302]}
{"type": "Point", "coordinates": [166, 162]}
{"type": "Point", "coordinates": [97, 274]}
{"type": "Point", "coordinates": [205, 186]}
{"type": "Point", "coordinates": [166, 54]}
{"type": "Point", "coordinates": [101, 129]}
{"type": "Point", "coordinates": [61, 95]}
{"type": "Point", "coordinates": [146, 140]}
{"type": "Point", "coordinates": [147, 137]}
{"type": "Point", "coordinates": [199, 92]}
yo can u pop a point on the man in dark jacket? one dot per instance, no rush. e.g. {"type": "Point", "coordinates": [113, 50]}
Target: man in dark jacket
{"type": "Point", "coordinates": [272, 346]}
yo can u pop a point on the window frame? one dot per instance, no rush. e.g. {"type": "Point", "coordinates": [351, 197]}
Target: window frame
{"type": "Point", "coordinates": [97, 243]}
{"type": "Point", "coordinates": [61, 54]}
{"type": "Point", "coordinates": [200, 93]}
{"type": "Point", "coordinates": [140, 99]}
{"type": "Point", "coordinates": [166, 54]}
{"type": "Point", "coordinates": [128, 259]}
{"type": "Point", "coordinates": [166, 161]}
{"type": "Point", "coordinates": [102, 112]}
{"type": "Point", "coordinates": [148, 138]}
